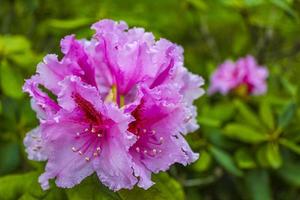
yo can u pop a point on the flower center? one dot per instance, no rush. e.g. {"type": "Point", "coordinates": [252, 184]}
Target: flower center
{"type": "Point", "coordinates": [91, 146]}
{"type": "Point", "coordinates": [89, 139]}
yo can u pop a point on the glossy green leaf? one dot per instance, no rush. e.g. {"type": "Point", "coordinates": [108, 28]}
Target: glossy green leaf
{"type": "Point", "coordinates": [14, 186]}
{"type": "Point", "coordinates": [266, 115]}
{"type": "Point", "coordinates": [9, 156]}
{"type": "Point", "coordinates": [205, 121]}
{"type": "Point", "coordinates": [204, 162]}
{"type": "Point", "coordinates": [69, 23]}
{"type": "Point", "coordinates": [91, 188]}
{"type": "Point", "coordinates": [287, 115]}
{"type": "Point", "coordinates": [258, 185]}
{"type": "Point", "coordinates": [290, 145]}
{"type": "Point", "coordinates": [165, 188]}
{"type": "Point", "coordinates": [249, 116]}
{"type": "Point", "coordinates": [11, 80]}
{"type": "Point", "coordinates": [274, 155]}
{"type": "Point", "coordinates": [225, 160]}
{"type": "Point", "coordinates": [244, 159]}
{"type": "Point", "coordinates": [284, 5]}
{"type": "Point", "coordinates": [244, 133]}
{"type": "Point", "coordinates": [290, 172]}
{"type": "Point", "coordinates": [262, 156]}
{"type": "Point", "coordinates": [13, 44]}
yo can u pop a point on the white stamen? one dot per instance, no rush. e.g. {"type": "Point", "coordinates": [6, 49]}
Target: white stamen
{"type": "Point", "coordinates": [161, 139]}
{"type": "Point", "coordinates": [80, 152]}
{"type": "Point", "coordinates": [154, 151]}
{"type": "Point", "coordinates": [73, 149]}
{"type": "Point", "coordinates": [87, 158]}
{"type": "Point", "coordinates": [137, 149]}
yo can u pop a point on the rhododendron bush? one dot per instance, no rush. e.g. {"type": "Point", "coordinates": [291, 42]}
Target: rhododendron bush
{"type": "Point", "coordinates": [149, 100]}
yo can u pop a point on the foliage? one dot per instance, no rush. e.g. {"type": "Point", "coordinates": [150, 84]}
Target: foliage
{"type": "Point", "coordinates": [249, 146]}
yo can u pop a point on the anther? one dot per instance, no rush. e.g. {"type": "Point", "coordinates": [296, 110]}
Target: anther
{"type": "Point", "coordinates": [86, 129]}
{"type": "Point", "coordinates": [145, 151]}
{"type": "Point", "coordinates": [80, 152]}
{"type": "Point", "coordinates": [161, 139]}
{"type": "Point", "coordinates": [144, 130]}
{"type": "Point", "coordinates": [78, 134]}
{"type": "Point", "coordinates": [98, 149]}
{"type": "Point", "coordinates": [154, 151]}
{"type": "Point", "coordinates": [87, 158]}
{"type": "Point", "coordinates": [137, 149]}
{"type": "Point", "coordinates": [95, 154]}
{"type": "Point", "coordinates": [153, 132]}
{"type": "Point", "coordinates": [93, 130]}
{"type": "Point", "coordinates": [99, 135]}
{"type": "Point", "coordinates": [73, 149]}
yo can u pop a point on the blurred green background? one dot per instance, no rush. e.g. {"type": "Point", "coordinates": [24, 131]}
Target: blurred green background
{"type": "Point", "coordinates": [249, 146]}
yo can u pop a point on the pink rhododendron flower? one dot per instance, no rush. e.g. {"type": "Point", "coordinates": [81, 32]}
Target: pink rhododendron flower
{"type": "Point", "coordinates": [120, 104]}
{"type": "Point", "coordinates": [244, 72]}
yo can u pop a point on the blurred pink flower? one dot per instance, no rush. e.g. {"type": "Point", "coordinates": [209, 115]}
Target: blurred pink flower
{"type": "Point", "coordinates": [122, 103]}
{"type": "Point", "coordinates": [244, 72]}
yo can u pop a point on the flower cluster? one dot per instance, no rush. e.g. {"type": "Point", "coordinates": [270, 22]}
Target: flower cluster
{"type": "Point", "coordinates": [243, 73]}
{"type": "Point", "coordinates": [118, 105]}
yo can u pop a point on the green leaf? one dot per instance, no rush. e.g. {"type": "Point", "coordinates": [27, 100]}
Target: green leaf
{"type": "Point", "coordinates": [290, 145]}
{"type": "Point", "coordinates": [27, 196]}
{"type": "Point", "coordinates": [204, 162]}
{"type": "Point", "coordinates": [165, 188]}
{"type": "Point", "coordinates": [91, 188]}
{"type": "Point", "coordinates": [258, 185]}
{"type": "Point", "coordinates": [244, 159]}
{"type": "Point", "coordinates": [273, 155]}
{"type": "Point", "coordinates": [13, 44]}
{"type": "Point", "coordinates": [266, 114]}
{"type": "Point", "coordinates": [284, 5]}
{"type": "Point", "coordinates": [247, 114]}
{"type": "Point", "coordinates": [262, 156]}
{"type": "Point", "coordinates": [225, 160]}
{"type": "Point", "coordinates": [198, 4]}
{"type": "Point", "coordinates": [69, 23]}
{"type": "Point", "coordinates": [244, 133]}
{"type": "Point", "coordinates": [11, 81]}
{"type": "Point", "coordinates": [14, 186]}
{"type": "Point", "coordinates": [205, 121]}
{"type": "Point", "coordinates": [9, 156]}
{"type": "Point", "coordinates": [290, 172]}
{"type": "Point", "coordinates": [287, 115]}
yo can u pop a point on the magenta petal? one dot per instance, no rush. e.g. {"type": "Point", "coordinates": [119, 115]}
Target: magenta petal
{"type": "Point", "coordinates": [35, 147]}
{"type": "Point", "coordinates": [114, 166]}
{"type": "Point", "coordinates": [52, 71]}
{"type": "Point", "coordinates": [245, 72]}
{"type": "Point", "coordinates": [68, 167]}
{"type": "Point", "coordinates": [159, 118]}
{"type": "Point", "coordinates": [41, 102]}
